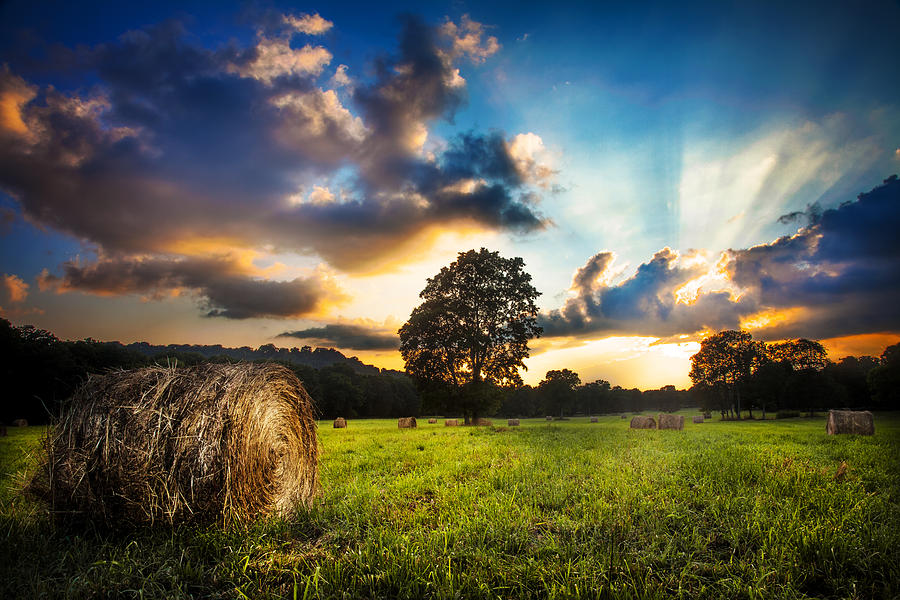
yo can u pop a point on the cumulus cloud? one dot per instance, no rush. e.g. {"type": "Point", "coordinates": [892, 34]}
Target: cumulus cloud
{"type": "Point", "coordinates": [274, 57]}
{"type": "Point", "coordinates": [14, 289]}
{"type": "Point", "coordinates": [179, 142]}
{"type": "Point", "coordinates": [350, 336]}
{"type": "Point", "coordinates": [308, 24]}
{"type": "Point", "coordinates": [836, 277]}
{"type": "Point", "coordinates": [466, 39]}
{"type": "Point", "coordinates": [646, 303]}
{"type": "Point", "coordinates": [222, 284]}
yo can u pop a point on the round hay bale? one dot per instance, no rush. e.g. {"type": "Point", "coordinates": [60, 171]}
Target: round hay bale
{"type": "Point", "coordinates": [858, 422]}
{"type": "Point", "coordinates": [483, 423]}
{"type": "Point", "coordinates": [21, 422]}
{"type": "Point", "coordinates": [432, 421]}
{"type": "Point", "coordinates": [406, 423]}
{"type": "Point", "coordinates": [512, 422]}
{"type": "Point", "coordinates": [595, 420]}
{"type": "Point", "coordinates": [212, 442]}
{"type": "Point", "coordinates": [697, 419]}
{"type": "Point", "coordinates": [667, 421]}
{"type": "Point", "coordinates": [549, 418]}
{"type": "Point", "coordinates": [451, 423]}
{"type": "Point", "coordinates": [642, 422]}
{"type": "Point", "coordinates": [340, 423]}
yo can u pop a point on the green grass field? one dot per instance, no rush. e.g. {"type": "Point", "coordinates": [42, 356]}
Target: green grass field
{"type": "Point", "coordinates": [561, 510]}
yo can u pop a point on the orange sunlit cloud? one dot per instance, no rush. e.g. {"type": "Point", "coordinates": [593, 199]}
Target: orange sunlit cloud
{"type": "Point", "coordinates": [772, 318]}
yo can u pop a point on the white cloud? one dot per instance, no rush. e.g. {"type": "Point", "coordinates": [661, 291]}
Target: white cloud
{"type": "Point", "coordinates": [467, 39]}
{"type": "Point", "coordinates": [308, 24]}
{"type": "Point", "coordinates": [531, 158]}
{"type": "Point", "coordinates": [275, 57]}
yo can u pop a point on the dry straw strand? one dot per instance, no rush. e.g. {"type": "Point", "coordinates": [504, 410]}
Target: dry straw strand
{"type": "Point", "coordinates": [231, 442]}
{"type": "Point", "coordinates": [859, 422]}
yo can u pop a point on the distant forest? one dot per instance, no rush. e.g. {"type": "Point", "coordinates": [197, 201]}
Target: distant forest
{"type": "Point", "coordinates": [40, 372]}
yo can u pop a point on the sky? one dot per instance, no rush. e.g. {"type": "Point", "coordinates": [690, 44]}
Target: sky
{"type": "Point", "coordinates": [292, 173]}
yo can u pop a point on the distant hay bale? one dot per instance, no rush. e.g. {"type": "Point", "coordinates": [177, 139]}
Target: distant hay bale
{"type": "Point", "coordinates": [512, 422]}
{"type": "Point", "coordinates": [432, 421]}
{"type": "Point", "coordinates": [642, 422]}
{"type": "Point", "coordinates": [228, 442]}
{"type": "Point", "coordinates": [624, 416]}
{"type": "Point", "coordinates": [707, 415]}
{"type": "Point", "coordinates": [340, 423]}
{"type": "Point", "coordinates": [21, 423]}
{"type": "Point", "coordinates": [859, 422]}
{"type": "Point", "coordinates": [549, 418]}
{"type": "Point", "coordinates": [451, 423]}
{"type": "Point", "coordinates": [595, 420]}
{"type": "Point", "coordinates": [483, 423]}
{"type": "Point", "coordinates": [667, 421]}
{"type": "Point", "coordinates": [697, 419]}
{"type": "Point", "coordinates": [406, 423]}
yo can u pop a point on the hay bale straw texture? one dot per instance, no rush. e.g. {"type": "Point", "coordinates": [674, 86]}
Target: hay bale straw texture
{"type": "Point", "coordinates": [595, 420]}
{"type": "Point", "coordinates": [667, 421]}
{"type": "Point", "coordinates": [512, 422]}
{"type": "Point", "coordinates": [340, 423]}
{"type": "Point", "coordinates": [698, 419]}
{"type": "Point", "coordinates": [859, 422]}
{"type": "Point", "coordinates": [642, 422]}
{"type": "Point", "coordinates": [451, 423]}
{"type": "Point", "coordinates": [212, 442]}
{"type": "Point", "coordinates": [406, 423]}
{"type": "Point", "coordinates": [483, 423]}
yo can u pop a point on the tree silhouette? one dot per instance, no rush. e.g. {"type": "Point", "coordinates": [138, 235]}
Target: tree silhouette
{"type": "Point", "coordinates": [471, 333]}
{"type": "Point", "coordinates": [725, 361]}
{"type": "Point", "coordinates": [801, 354]}
{"type": "Point", "coordinates": [557, 390]}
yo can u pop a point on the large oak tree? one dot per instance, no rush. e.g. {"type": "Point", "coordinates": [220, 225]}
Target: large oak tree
{"type": "Point", "coordinates": [470, 334]}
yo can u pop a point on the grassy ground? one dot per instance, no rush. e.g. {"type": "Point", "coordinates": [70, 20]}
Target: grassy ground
{"type": "Point", "coordinates": [561, 510]}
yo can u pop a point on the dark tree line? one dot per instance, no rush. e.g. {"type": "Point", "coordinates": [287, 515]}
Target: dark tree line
{"type": "Point", "coordinates": [733, 373]}
{"type": "Point", "coordinates": [561, 394]}
{"type": "Point", "coordinates": [40, 372]}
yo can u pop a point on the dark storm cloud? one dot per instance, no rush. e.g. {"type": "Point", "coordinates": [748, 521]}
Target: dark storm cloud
{"type": "Point", "coordinates": [841, 271]}
{"type": "Point", "coordinates": [179, 142]}
{"type": "Point", "coordinates": [223, 289]}
{"type": "Point", "coordinates": [353, 337]}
